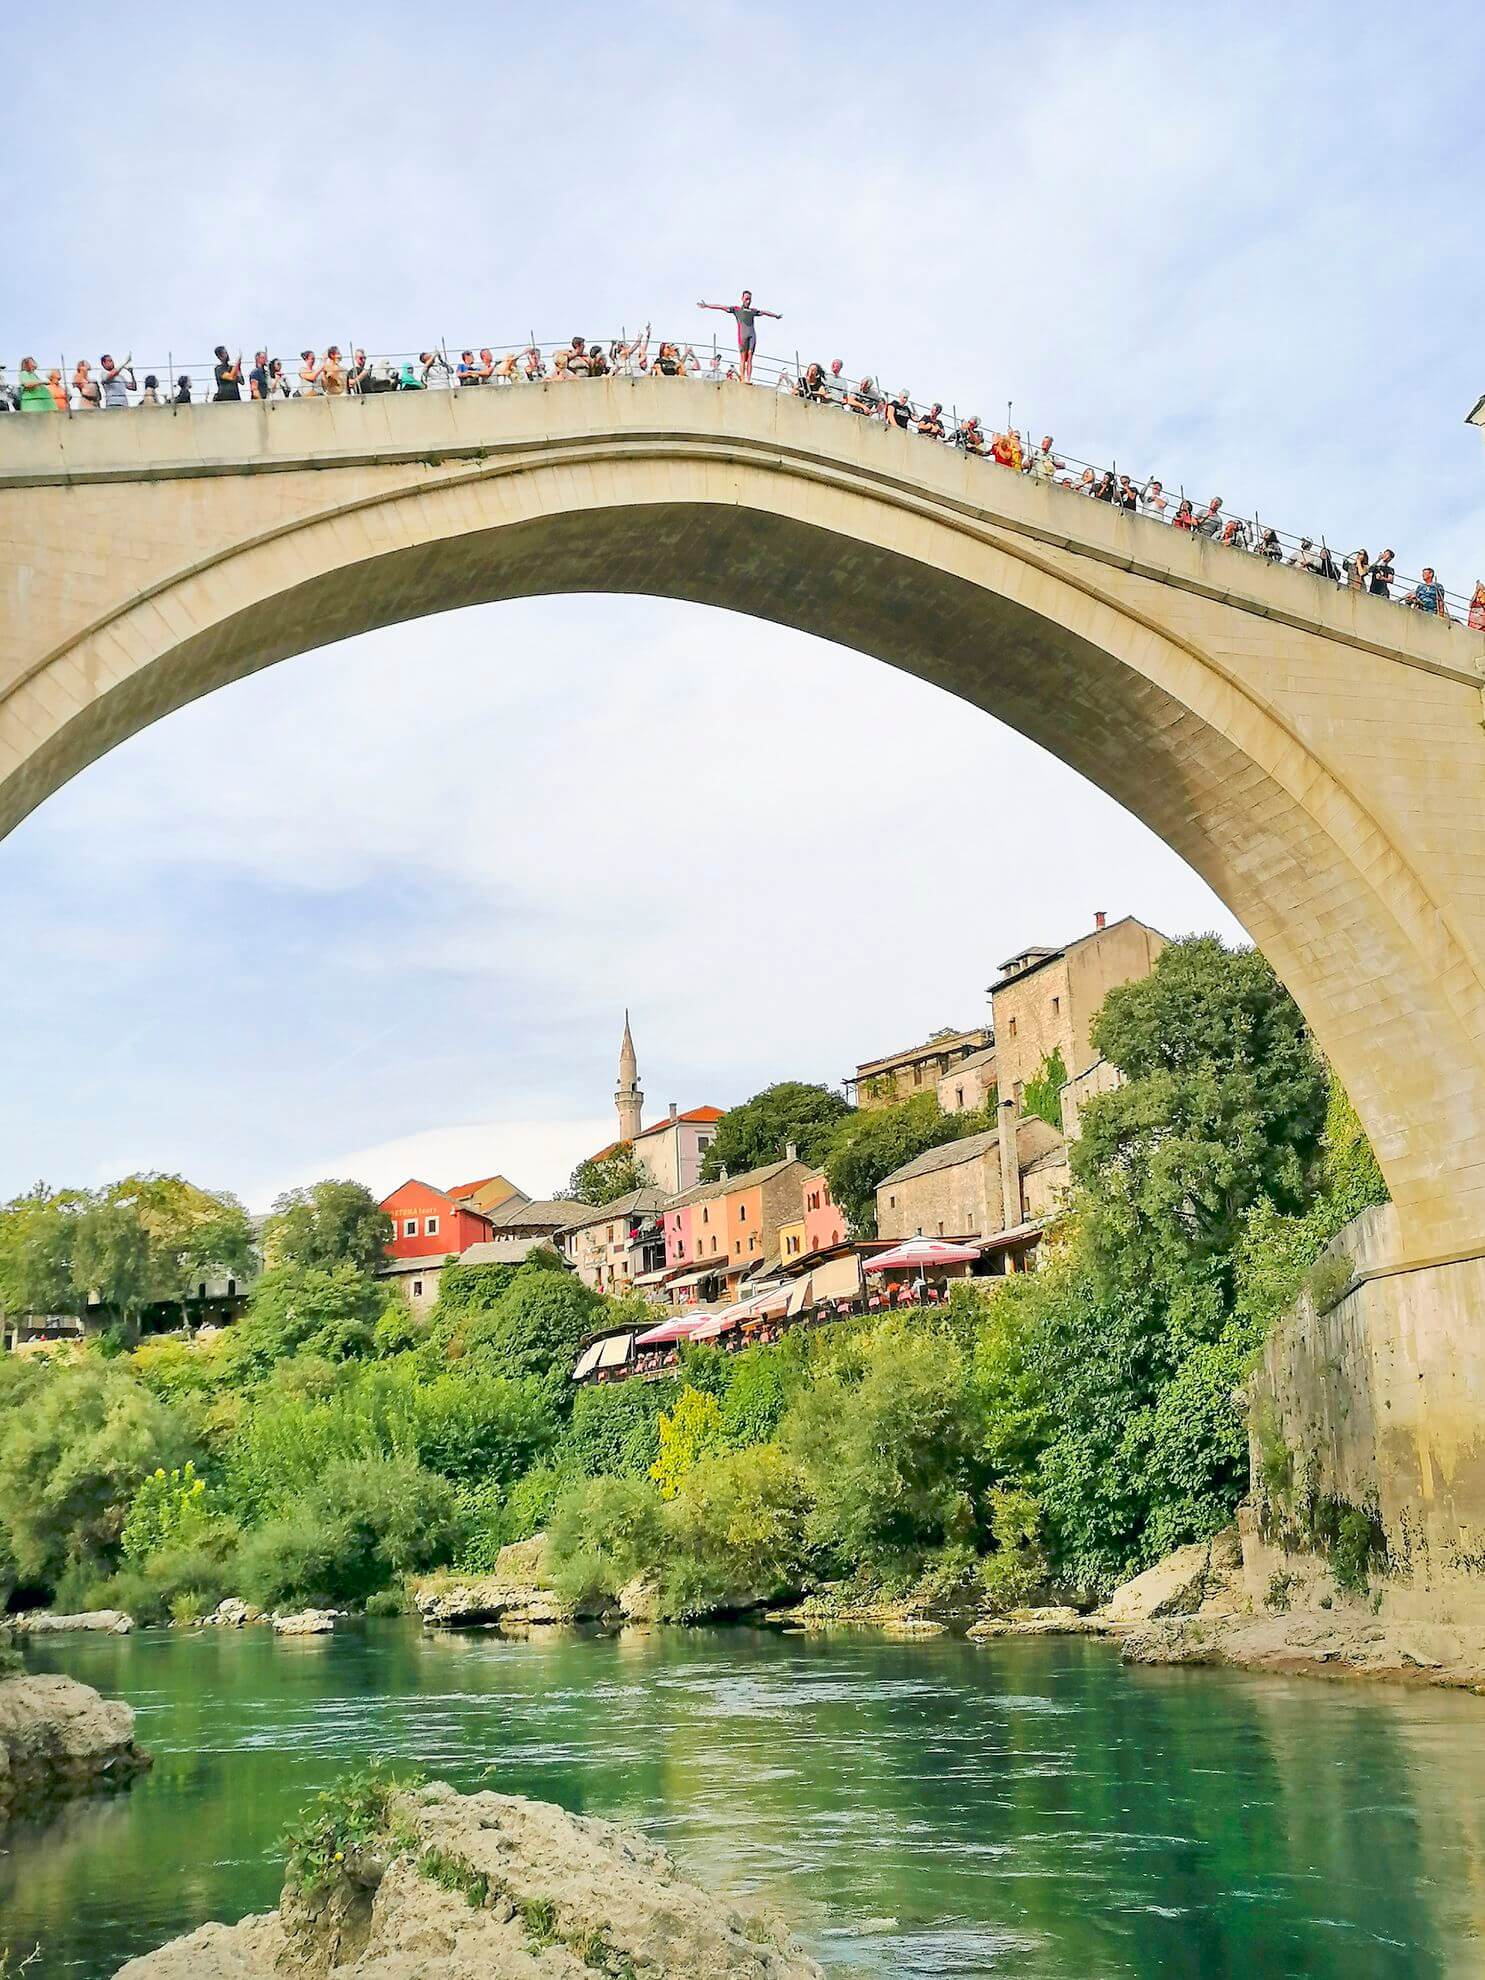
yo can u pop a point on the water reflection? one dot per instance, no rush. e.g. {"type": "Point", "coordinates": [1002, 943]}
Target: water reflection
{"type": "Point", "coordinates": [916, 1808]}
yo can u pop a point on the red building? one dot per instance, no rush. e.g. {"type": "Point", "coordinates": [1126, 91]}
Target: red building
{"type": "Point", "coordinates": [428, 1223]}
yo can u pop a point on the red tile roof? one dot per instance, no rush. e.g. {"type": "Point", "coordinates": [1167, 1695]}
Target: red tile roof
{"type": "Point", "coordinates": [698, 1116]}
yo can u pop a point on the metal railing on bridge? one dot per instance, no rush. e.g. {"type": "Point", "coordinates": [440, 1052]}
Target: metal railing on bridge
{"type": "Point", "coordinates": [182, 383]}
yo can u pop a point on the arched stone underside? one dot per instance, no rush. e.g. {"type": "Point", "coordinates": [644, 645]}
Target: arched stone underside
{"type": "Point", "coordinates": [1317, 757]}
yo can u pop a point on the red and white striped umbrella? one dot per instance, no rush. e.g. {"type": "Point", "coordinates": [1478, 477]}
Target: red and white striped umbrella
{"type": "Point", "coordinates": [671, 1330]}
{"type": "Point", "coordinates": [920, 1252]}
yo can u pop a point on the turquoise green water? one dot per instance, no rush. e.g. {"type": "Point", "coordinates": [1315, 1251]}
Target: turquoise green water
{"type": "Point", "coordinates": [1032, 1808]}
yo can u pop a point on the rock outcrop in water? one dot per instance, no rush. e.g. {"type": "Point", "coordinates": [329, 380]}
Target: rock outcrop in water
{"type": "Point", "coordinates": [491, 1887]}
{"type": "Point", "coordinates": [515, 1592]}
{"type": "Point", "coordinates": [59, 1738]}
{"type": "Point", "coordinates": [41, 1622]}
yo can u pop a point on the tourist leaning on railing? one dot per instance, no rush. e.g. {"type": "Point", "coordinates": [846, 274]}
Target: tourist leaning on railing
{"type": "Point", "coordinates": [630, 358]}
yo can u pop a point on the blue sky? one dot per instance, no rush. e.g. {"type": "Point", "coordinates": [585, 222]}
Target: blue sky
{"type": "Point", "coordinates": [317, 924]}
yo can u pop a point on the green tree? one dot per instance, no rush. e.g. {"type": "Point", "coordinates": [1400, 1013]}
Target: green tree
{"type": "Point", "coordinates": [362, 1525]}
{"type": "Point", "coordinates": [1043, 1094]}
{"type": "Point", "coordinates": [76, 1440]}
{"type": "Point", "coordinates": [331, 1223]}
{"type": "Point", "coordinates": [111, 1259]}
{"type": "Point", "coordinates": [37, 1235]}
{"type": "Point", "coordinates": [878, 1140]}
{"type": "Point", "coordinates": [300, 1309]}
{"type": "Point", "coordinates": [535, 1326]}
{"type": "Point", "coordinates": [892, 1455]}
{"type": "Point", "coordinates": [603, 1178]}
{"type": "Point", "coordinates": [759, 1131]}
{"type": "Point", "coordinates": [1223, 1104]}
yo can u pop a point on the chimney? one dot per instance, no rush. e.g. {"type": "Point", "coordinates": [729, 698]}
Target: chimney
{"type": "Point", "coordinates": [1010, 1168]}
{"type": "Point", "coordinates": [791, 1151]}
{"type": "Point", "coordinates": [1099, 918]}
{"type": "Point", "coordinates": [672, 1110]}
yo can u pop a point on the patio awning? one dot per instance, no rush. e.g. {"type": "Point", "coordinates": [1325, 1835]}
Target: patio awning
{"type": "Point", "coordinates": [919, 1252]}
{"type": "Point", "coordinates": [770, 1304]}
{"type": "Point", "coordinates": [678, 1329]}
{"type": "Point", "coordinates": [587, 1360]}
{"type": "Point", "coordinates": [837, 1278]}
{"type": "Point", "coordinates": [614, 1352]}
{"type": "Point", "coordinates": [714, 1325]}
{"type": "Point", "coordinates": [716, 1270]}
{"type": "Point", "coordinates": [799, 1293]}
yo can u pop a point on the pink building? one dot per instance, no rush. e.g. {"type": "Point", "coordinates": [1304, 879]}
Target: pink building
{"type": "Point", "coordinates": [824, 1220]}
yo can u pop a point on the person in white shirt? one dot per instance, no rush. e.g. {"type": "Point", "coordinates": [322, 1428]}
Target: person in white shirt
{"type": "Point", "coordinates": [1044, 463]}
{"type": "Point", "coordinates": [437, 375]}
{"type": "Point", "coordinates": [1152, 500]}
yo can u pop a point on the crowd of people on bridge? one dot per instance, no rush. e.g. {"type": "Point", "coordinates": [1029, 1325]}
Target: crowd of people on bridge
{"type": "Point", "coordinates": [332, 374]}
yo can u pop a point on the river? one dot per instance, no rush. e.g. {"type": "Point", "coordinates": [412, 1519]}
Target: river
{"type": "Point", "coordinates": [915, 1808]}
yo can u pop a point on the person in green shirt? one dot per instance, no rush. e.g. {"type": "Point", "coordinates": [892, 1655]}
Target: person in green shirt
{"type": "Point", "coordinates": [36, 394]}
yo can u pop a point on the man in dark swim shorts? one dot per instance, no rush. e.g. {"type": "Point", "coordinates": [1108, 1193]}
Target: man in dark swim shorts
{"type": "Point", "coordinates": [746, 318]}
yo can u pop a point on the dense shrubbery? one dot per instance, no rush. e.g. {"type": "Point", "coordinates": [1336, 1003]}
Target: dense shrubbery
{"type": "Point", "coordinates": [1063, 1428]}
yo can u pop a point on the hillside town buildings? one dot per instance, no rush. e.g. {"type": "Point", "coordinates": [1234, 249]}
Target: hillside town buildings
{"type": "Point", "coordinates": [897, 1076]}
{"type": "Point", "coordinates": [1045, 1000]}
{"type": "Point", "coordinates": [689, 1244]}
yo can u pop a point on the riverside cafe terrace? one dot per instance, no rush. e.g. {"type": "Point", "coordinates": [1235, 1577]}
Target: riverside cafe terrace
{"type": "Point", "coordinates": [871, 1276]}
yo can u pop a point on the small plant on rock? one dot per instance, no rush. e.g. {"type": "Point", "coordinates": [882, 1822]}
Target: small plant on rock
{"type": "Point", "coordinates": [354, 1814]}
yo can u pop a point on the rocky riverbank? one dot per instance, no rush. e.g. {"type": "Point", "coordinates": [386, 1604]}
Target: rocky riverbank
{"type": "Point", "coordinates": [58, 1739]}
{"type": "Point", "coordinates": [1224, 1602]}
{"type": "Point", "coordinates": [489, 1887]}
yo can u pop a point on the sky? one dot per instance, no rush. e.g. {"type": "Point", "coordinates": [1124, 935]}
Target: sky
{"type": "Point", "coordinates": [379, 910]}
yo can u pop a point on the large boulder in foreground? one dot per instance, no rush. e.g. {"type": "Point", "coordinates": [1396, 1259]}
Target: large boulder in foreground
{"type": "Point", "coordinates": [516, 1591]}
{"type": "Point", "coordinates": [59, 1738]}
{"type": "Point", "coordinates": [491, 1887]}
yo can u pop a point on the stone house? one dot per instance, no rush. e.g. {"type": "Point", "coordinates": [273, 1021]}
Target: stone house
{"type": "Point", "coordinates": [418, 1278]}
{"type": "Point", "coordinates": [618, 1243]}
{"type": "Point", "coordinates": [899, 1075]}
{"type": "Point", "coordinates": [544, 1218]}
{"type": "Point", "coordinates": [969, 1084]}
{"type": "Point", "coordinates": [959, 1190]}
{"type": "Point", "coordinates": [1046, 999]}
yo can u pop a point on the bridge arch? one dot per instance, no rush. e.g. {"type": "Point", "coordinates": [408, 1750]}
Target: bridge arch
{"type": "Point", "coordinates": [1318, 758]}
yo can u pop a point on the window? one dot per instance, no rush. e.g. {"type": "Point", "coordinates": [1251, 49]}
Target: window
{"type": "Point", "coordinates": [1056, 1005]}
{"type": "Point", "coordinates": [409, 1227]}
{"type": "Point", "coordinates": [610, 1233]}
{"type": "Point", "coordinates": [1013, 1027]}
{"type": "Point", "coordinates": [940, 1226]}
{"type": "Point", "coordinates": [918, 1075]}
{"type": "Point", "coordinates": [891, 1202]}
{"type": "Point", "coordinates": [958, 1096]}
{"type": "Point", "coordinates": [706, 1215]}
{"type": "Point", "coordinates": [201, 1290]}
{"type": "Point", "coordinates": [737, 1246]}
{"type": "Point", "coordinates": [703, 1142]}
{"type": "Point", "coordinates": [417, 1288]}
{"type": "Point", "coordinates": [232, 1289]}
{"type": "Point", "coordinates": [742, 1213]}
{"type": "Point", "coordinates": [430, 1225]}
{"type": "Point", "coordinates": [714, 1244]}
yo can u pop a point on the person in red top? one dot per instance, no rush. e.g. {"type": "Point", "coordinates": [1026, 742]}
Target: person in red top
{"type": "Point", "coordinates": [746, 318]}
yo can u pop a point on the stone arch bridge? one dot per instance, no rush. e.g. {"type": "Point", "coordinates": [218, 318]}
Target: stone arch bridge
{"type": "Point", "coordinates": [1317, 756]}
